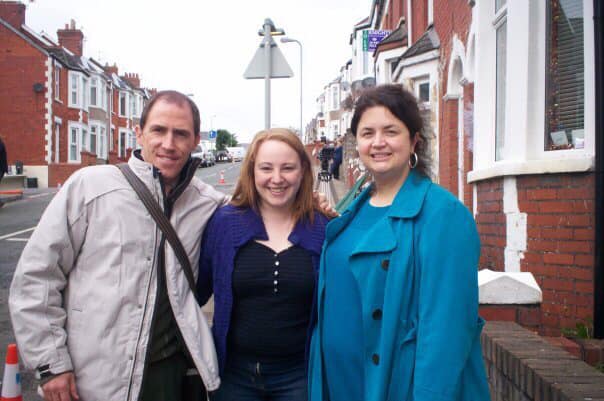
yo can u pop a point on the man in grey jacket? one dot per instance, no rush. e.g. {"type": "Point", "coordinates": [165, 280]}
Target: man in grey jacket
{"type": "Point", "coordinates": [99, 303]}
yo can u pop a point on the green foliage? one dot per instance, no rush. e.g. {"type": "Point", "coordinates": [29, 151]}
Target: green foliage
{"type": "Point", "coordinates": [582, 329]}
{"type": "Point", "coordinates": [224, 138]}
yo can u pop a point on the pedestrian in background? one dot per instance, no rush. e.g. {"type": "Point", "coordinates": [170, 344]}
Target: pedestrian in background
{"type": "Point", "coordinates": [100, 303]}
{"type": "Point", "coordinates": [338, 155]}
{"type": "Point", "coordinates": [398, 295]}
{"type": "Point", "coordinates": [260, 257]}
{"type": "Point", "coordinates": [3, 163]}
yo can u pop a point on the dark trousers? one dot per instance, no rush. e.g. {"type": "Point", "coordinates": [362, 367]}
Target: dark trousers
{"type": "Point", "coordinates": [335, 170]}
{"type": "Point", "coordinates": [166, 380]}
{"type": "Point", "coordinates": [246, 379]}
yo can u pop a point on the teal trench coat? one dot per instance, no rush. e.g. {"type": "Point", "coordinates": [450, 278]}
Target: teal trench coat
{"type": "Point", "coordinates": [426, 345]}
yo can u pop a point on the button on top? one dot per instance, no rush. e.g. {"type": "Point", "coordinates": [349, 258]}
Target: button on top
{"type": "Point", "coordinates": [377, 314]}
{"type": "Point", "coordinates": [385, 264]}
{"type": "Point", "coordinates": [375, 358]}
{"type": "Point", "coordinates": [277, 263]}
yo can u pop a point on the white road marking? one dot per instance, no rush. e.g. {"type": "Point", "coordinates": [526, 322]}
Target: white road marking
{"type": "Point", "coordinates": [40, 195]}
{"type": "Point", "coordinates": [17, 239]}
{"type": "Point", "coordinates": [17, 233]}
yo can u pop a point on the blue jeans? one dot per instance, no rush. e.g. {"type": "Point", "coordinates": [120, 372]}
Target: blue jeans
{"type": "Point", "coordinates": [246, 379]}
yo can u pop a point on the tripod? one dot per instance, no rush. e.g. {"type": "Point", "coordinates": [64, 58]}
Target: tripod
{"type": "Point", "coordinates": [325, 186]}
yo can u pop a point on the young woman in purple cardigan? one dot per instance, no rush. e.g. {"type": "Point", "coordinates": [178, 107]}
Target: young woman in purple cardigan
{"type": "Point", "coordinates": [260, 258]}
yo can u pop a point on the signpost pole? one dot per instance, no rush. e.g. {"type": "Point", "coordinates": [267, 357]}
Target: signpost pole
{"type": "Point", "coordinates": [267, 76]}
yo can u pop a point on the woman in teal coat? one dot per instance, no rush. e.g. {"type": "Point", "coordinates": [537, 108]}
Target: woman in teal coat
{"type": "Point", "coordinates": [397, 292]}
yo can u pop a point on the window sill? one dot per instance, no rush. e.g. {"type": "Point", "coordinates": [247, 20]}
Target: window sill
{"type": "Point", "coordinates": [549, 166]}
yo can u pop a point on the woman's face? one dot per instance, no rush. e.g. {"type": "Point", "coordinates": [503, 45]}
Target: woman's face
{"type": "Point", "coordinates": [384, 143]}
{"type": "Point", "coordinates": [277, 174]}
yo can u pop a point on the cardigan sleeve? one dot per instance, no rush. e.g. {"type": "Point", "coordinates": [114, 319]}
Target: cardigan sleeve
{"type": "Point", "coordinates": [206, 268]}
{"type": "Point", "coordinates": [449, 250]}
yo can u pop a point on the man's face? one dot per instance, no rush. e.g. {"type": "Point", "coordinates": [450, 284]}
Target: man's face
{"type": "Point", "coordinates": [168, 138]}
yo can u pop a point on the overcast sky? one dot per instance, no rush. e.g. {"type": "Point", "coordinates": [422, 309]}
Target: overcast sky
{"type": "Point", "coordinates": [203, 47]}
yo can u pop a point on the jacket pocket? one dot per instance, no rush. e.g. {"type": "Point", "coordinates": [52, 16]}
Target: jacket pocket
{"type": "Point", "coordinates": [403, 362]}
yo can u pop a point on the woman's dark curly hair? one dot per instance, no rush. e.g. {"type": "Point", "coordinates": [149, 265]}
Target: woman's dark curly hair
{"type": "Point", "coordinates": [403, 105]}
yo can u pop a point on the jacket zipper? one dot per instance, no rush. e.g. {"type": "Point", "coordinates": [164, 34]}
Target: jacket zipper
{"type": "Point", "coordinates": [142, 319]}
{"type": "Point", "coordinates": [191, 168]}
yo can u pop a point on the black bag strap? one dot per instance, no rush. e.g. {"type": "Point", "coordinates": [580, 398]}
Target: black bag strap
{"type": "Point", "coordinates": [162, 222]}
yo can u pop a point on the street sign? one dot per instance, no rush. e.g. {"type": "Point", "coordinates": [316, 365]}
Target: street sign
{"type": "Point", "coordinates": [371, 38]}
{"type": "Point", "coordinates": [213, 134]}
{"type": "Point", "coordinates": [279, 67]}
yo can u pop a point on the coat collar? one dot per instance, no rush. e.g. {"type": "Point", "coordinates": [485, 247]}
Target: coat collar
{"type": "Point", "coordinates": [406, 204]}
{"type": "Point", "coordinates": [251, 226]}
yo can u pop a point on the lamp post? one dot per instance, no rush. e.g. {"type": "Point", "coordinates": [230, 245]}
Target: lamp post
{"type": "Point", "coordinates": [290, 40]}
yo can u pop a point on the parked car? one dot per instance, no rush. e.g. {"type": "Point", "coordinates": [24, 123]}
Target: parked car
{"type": "Point", "coordinates": [237, 152]}
{"type": "Point", "coordinates": [223, 156]}
{"type": "Point", "coordinates": [207, 157]}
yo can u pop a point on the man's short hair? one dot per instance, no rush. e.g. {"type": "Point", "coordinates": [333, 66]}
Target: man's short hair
{"type": "Point", "coordinates": [172, 96]}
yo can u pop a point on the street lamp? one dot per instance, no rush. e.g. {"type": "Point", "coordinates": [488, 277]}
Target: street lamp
{"type": "Point", "coordinates": [290, 40]}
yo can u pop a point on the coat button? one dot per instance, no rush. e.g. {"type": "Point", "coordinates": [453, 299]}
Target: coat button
{"type": "Point", "coordinates": [377, 314]}
{"type": "Point", "coordinates": [385, 264]}
{"type": "Point", "coordinates": [375, 358]}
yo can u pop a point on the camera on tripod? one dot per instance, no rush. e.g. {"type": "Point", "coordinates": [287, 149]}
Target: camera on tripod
{"type": "Point", "coordinates": [326, 154]}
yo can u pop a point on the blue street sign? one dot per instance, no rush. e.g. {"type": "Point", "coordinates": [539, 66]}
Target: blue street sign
{"type": "Point", "coordinates": [371, 38]}
{"type": "Point", "coordinates": [213, 134]}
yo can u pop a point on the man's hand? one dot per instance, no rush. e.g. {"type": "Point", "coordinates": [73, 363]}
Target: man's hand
{"type": "Point", "coordinates": [323, 205]}
{"type": "Point", "coordinates": [61, 388]}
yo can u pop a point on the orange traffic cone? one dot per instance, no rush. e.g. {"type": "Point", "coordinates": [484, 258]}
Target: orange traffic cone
{"type": "Point", "coordinates": [221, 181]}
{"type": "Point", "coordinates": [11, 383]}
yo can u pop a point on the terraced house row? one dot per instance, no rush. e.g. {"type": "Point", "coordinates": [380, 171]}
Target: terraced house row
{"type": "Point", "coordinates": [512, 92]}
{"type": "Point", "coordinates": [61, 110]}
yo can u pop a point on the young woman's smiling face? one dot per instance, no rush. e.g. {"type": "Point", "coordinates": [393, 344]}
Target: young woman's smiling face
{"type": "Point", "coordinates": [277, 174]}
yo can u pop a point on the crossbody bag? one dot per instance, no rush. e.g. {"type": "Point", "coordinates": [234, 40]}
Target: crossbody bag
{"type": "Point", "coordinates": [193, 387]}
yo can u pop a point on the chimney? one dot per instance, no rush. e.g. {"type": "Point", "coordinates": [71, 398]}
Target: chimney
{"type": "Point", "coordinates": [13, 12]}
{"type": "Point", "coordinates": [110, 69]}
{"type": "Point", "coordinates": [71, 38]}
{"type": "Point", "coordinates": [132, 79]}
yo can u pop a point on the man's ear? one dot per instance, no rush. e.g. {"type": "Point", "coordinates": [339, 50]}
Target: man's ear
{"type": "Point", "coordinates": [139, 134]}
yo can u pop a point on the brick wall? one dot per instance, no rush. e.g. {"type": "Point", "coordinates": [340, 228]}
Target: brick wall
{"type": "Point", "coordinates": [523, 366]}
{"type": "Point", "coordinates": [22, 66]}
{"type": "Point", "coordinates": [419, 16]}
{"type": "Point", "coordinates": [491, 223]}
{"type": "Point", "coordinates": [560, 244]}
{"type": "Point", "coordinates": [58, 173]}
{"type": "Point", "coordinates": [448, 151]}
{"type": "Point", "coordinates": [468, 146]}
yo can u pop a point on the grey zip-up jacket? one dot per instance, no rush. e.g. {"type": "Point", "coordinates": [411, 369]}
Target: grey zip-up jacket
{"type": "Point", "coordinates": [84, 290]}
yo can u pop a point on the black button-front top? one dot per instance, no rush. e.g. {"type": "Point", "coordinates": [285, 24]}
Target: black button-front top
{"type": "Point", "coordinates": [272, 300]}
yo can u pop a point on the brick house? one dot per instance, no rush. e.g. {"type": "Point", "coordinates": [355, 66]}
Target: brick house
{"type": "Point", "coordinates": [61, 110]}
{"type": "Point", "coordinates": [507, 88]}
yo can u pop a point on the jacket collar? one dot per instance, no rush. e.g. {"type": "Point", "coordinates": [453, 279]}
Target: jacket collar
{"type": "Point", "coordinates": [148, 172]}
{"type": "Point", "coordinates": [410, 198]}
{"type": "Point", "coordinates": [251, 227]}
{"type": "Point", "coordinates": [406, 204]}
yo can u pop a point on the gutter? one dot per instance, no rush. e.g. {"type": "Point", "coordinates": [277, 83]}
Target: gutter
{"type": "Point", "coordinates": [599, 184]}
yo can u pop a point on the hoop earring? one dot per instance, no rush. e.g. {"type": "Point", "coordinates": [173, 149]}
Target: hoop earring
{"type": "Point", "coordinates": [413, 156]}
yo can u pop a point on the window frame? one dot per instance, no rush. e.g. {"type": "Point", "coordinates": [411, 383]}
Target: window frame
{"type": "Point", "coordinates": [124, 112]}
{"type": "Point", "coordinates": [74, 127]}
{"type": "Point", "coordinates": [57, 82]}
{"type": "Point", "coordinates": [525, 139]}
